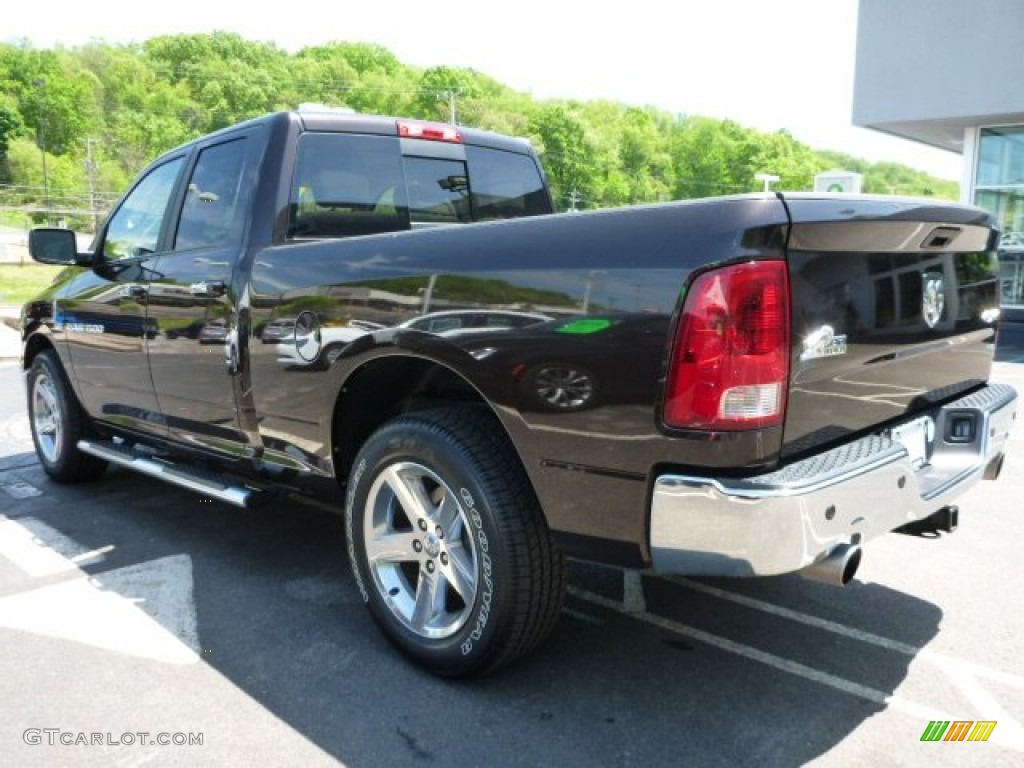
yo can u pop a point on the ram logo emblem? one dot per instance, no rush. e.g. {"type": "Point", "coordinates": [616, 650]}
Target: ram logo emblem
{"type": "Point", "coordinates": [933, 300]}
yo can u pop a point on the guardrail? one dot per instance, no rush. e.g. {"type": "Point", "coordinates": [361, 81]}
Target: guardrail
{"type": "Point", "coordinates": [53, 203]}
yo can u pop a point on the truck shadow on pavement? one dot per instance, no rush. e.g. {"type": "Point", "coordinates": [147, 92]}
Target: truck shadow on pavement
{"type": "Point", "coordinates": [699, 672]}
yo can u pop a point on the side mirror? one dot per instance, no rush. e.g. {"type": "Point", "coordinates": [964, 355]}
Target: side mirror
{"type": "Point", "coordinates": [50, 245]}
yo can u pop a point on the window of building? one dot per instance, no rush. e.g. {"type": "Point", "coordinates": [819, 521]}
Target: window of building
{"type": "Point", "coordinates": [999, 188]}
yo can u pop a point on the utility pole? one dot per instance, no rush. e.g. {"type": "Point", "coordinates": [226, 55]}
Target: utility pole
{"type": "Point", "coordinates": [449, 96]}
{"type": "Point", "coordinates": [428, 293]}
{"type": "Point", "coordinates": [591, 276]}
{"type": "Point", "coordinates": [40, 82]}
{"type": "Point", "coordinates": [767, 178]}
{"type": "Point", "coordinates": [574, 198]}
{"type": "Point", "coordinates": [90, 169]}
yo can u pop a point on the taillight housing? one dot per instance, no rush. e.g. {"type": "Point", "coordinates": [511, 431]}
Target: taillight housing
{"type": "Point", "coordinates": [729, 368]}
{"type": "Point", "coordinates": [415, 129]}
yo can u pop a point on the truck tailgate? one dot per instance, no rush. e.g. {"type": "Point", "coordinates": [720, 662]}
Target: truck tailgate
{"type": "Point", "coordinates": [894, 310]}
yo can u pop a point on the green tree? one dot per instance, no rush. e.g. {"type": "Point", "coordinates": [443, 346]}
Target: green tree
{"type": "Point", "coordinates": [644, 157]}
{"type": "Point", "coordinates": [711, 157]}
{"type": "Point", "coordinates": [567, 154]}
{"type": "Point", "coordinates": [780, 154]}
{"type": "Point", "coordinates": [133, 102]}
{"type": "Point", "coordinates": [438, 86]}
{"type": "Point", "coordinates": [231, 78]}
{"type": "Point", "coordinates": [11, 126]}
{"type": "Point", "coordinates": [56, 98]}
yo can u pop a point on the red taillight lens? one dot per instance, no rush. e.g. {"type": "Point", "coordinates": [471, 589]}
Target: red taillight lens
{"type": "Point", "coordinates": [433, 131]}
{"type": "Point", "coordinates": [730, 363]}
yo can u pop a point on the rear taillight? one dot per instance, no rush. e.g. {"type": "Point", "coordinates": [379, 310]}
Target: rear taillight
{"type": "Point", "coordinates": [730, 360]}
{"type": "Point", "coordinates": [434, 131]}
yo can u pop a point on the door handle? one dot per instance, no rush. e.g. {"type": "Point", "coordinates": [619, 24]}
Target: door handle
{"type": "Point", "coordinates": [134, 291]}
{"type": "Point", "coordinates": [208, 288]}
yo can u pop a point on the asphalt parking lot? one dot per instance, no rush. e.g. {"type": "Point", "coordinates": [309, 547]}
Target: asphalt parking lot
{"type": "Point", "coordinates": [128, 607]}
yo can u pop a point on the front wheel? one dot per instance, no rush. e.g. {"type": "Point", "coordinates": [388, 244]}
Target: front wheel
{"type": "Point", "coordinates": [58, 423]}
{"type": "Point", "coordinates": [448, 544]}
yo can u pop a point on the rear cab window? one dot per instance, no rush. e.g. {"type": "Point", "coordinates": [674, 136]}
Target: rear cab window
{"type": "Point", "coordinates": [210, 216]}
{"type": "Point", "coordinates": [347, 185]}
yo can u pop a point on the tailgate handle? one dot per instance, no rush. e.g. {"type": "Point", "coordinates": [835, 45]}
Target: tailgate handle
{"type": "Point", "coordinates": [941, 237]}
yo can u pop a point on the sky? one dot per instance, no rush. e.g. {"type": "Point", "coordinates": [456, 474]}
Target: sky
{"type": "Point", "coordinates": [767, 64]}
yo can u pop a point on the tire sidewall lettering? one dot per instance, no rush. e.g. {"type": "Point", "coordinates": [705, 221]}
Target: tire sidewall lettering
{"type": "Point", "coordinates": [486, 594]}
{"type": "Point", "coordinates": [350, 515]}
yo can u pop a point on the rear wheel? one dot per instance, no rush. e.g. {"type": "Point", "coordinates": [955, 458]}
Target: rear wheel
{"type": "Point", "coordinates": [58, 423]}
{"type": "Point", "coordinates": [448, 544]}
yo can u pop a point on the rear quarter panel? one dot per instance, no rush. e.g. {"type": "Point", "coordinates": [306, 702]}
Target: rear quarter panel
{"type": "Point", "coordinates": [590, 466]}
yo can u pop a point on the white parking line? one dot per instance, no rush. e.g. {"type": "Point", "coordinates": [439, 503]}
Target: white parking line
{"type": "Point", "coordinates": [146, 610]}
{"type": "Point", "coordinates": [942, 660]}
{"type": "Point", "coordinates": [40, 550]}
{"type": "Point", "coordinates": [20, 490]}
{"type": "Point", "coordinates": [1007, 734]}
{"type": "Point", "coordinates": [586, 618]}
{"type": "Point", "coordinates": [862, 398]}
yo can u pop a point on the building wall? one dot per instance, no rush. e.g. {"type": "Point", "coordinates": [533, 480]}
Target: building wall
{"type": "Point", "coordinates": [950, 73]}
{"type": "Point", "coordinates": [926, 69]}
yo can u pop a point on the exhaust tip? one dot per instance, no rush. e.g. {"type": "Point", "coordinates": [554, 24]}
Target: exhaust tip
{"type": "Point", "coordinates": [837, 568]}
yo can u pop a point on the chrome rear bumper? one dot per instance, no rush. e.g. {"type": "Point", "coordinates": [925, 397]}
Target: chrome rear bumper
{"type": "Point", "coordinates": [788, 519]}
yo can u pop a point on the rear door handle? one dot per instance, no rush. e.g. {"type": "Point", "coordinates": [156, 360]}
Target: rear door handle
{"type": "Point", "coordinates": [208, 288]}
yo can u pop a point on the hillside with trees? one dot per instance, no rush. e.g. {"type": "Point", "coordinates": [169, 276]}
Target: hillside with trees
{"type": "Point", "coordinates": [77, 124]}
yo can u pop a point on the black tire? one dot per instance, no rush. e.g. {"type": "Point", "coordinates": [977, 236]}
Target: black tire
{"type": "Point", "coordinates": [560, 387]}
{"type": "Point", "coordinates": [498, 579]}
{"type": "Point", "coordinates": [58, 423]}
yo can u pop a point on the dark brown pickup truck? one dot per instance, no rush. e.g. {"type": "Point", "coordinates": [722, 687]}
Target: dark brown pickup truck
{"type": "Point", "coordinates": [737, 387]}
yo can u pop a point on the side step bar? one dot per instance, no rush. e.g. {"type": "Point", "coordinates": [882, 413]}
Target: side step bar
{"type": "Point", "coordinates": [193, 478]}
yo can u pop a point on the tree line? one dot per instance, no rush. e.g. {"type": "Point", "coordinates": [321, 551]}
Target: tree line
{"type": "Point", "coordinates": [99, 112]}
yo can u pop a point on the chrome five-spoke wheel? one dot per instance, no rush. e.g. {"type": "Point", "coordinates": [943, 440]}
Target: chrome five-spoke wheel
{"type": "Point", "coordinates": [420, 550]}
{"type": "Point", "coordinates": [47, 424]}
{"type": "Point", "coordinates": [58, 422]}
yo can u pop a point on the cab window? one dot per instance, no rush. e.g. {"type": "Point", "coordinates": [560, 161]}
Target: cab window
{"type": "Point", "coordinates": [347, 185]}
{"type": "Point", "coordinates": [210, 216]}
{"type": "Point", "coordinates": [505, 185]}
{"type": "Point", "coordinates": [134, 230]}
{"type": "Point", "coordinates": [438, 190]}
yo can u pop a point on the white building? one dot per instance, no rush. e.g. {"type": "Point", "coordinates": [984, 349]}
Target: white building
{"type": "Point", "coordinates": [950, 73]}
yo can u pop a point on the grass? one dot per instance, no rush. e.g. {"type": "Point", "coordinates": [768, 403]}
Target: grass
{"type": "Point", "coordinates": [21, 283]}
{"type": "Point", "coordinates": [17, 221]}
